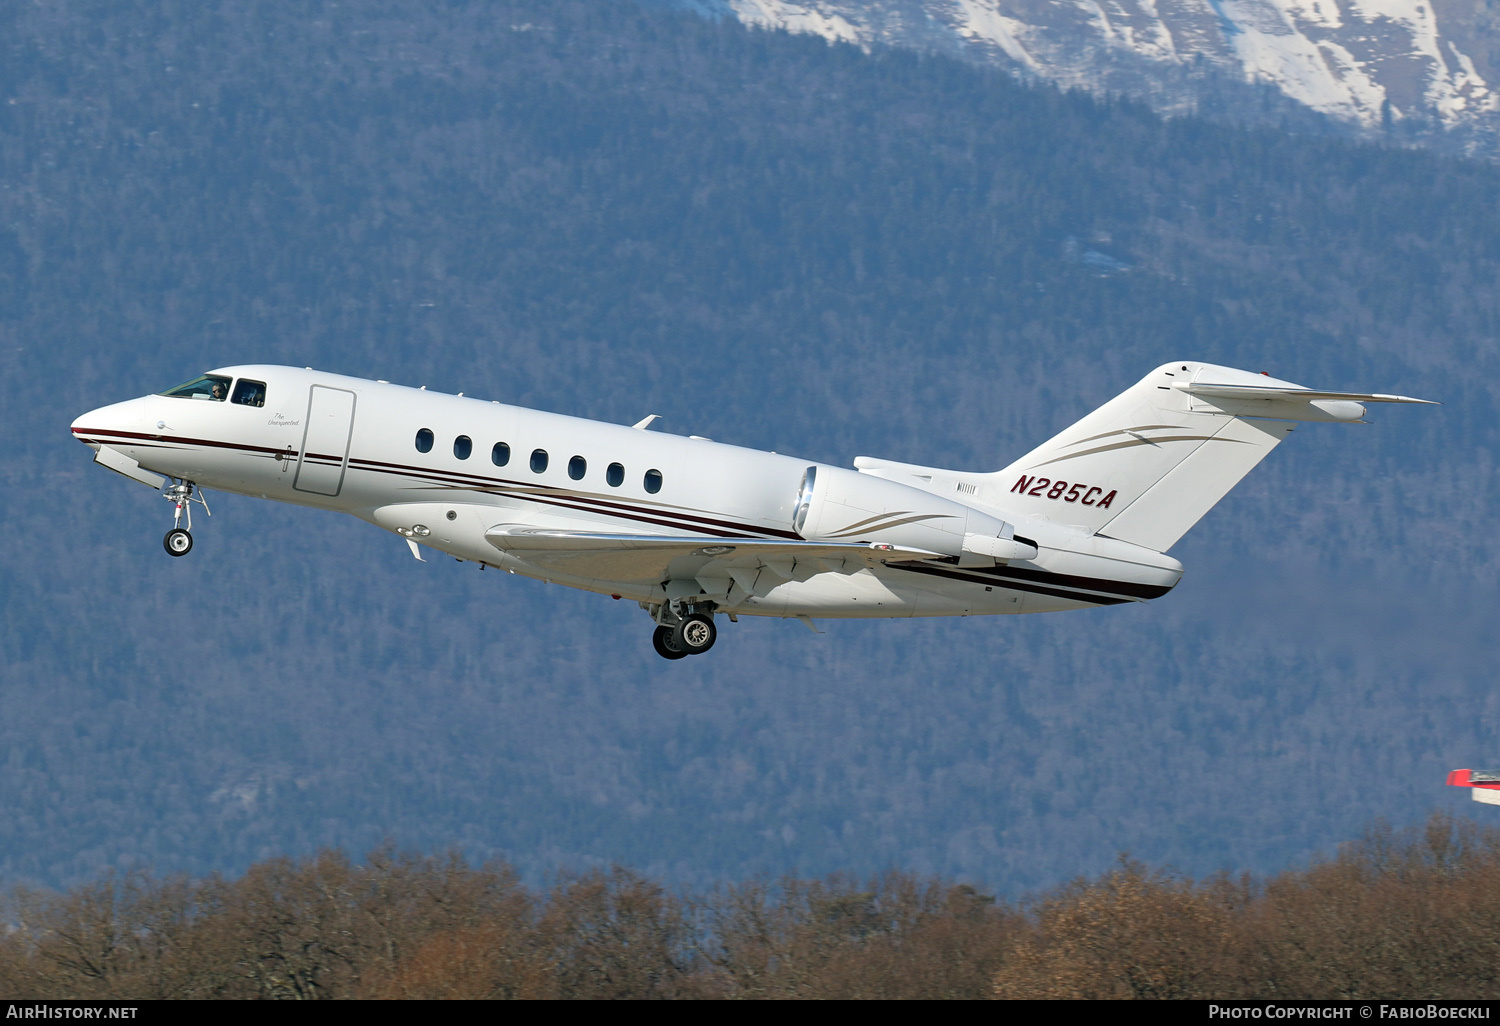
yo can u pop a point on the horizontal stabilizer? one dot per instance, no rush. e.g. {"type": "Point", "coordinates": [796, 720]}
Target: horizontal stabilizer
{"type": "Point", "coordinates": [649, 557]}
{"type": "Point", "coordinates": [1296, 394]}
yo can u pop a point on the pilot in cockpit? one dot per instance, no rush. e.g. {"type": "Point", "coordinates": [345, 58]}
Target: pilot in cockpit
{"type": "Point", "coordinates": [218, 391]}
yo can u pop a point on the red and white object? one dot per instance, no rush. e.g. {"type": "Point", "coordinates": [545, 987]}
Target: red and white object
{"type": "Point", "coordinates": [1485, 784]}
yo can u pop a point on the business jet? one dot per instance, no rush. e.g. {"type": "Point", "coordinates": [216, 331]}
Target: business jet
{"type": "Point", "coordinates": [690, 528]}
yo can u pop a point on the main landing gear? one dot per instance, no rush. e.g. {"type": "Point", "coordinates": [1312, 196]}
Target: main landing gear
{"type": "Point", "coordinates": [179, 540]}
{"type": "Point", "coordinates": [693, 633]}
{"type": "Point", "coordinates": [663, 640]}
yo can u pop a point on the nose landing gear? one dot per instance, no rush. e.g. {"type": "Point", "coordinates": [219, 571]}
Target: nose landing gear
{"type": "Point", "coordinates": [179, 540]}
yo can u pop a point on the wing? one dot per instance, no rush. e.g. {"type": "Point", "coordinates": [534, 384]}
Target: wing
{"type": "Point", "coordinates": [656, 558]}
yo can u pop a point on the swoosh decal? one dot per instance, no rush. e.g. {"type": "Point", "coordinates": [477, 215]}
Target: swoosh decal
{"type": "Point", "coordinates": [1134, 442]}
{"type": "Point", "coordinates": [861, 523]}
{"type": "Point", "coordinates": [847, 532]}
{"type": "Point", "coordinates": [1126, 431]}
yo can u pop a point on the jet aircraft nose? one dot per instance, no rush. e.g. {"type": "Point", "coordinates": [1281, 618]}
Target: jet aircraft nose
{"type": "Point", "coordinates": [96, 426]}
{"type": "Point", "coordinates": [85, 429]}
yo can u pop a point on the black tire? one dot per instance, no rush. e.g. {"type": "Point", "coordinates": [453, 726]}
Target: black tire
{"type": "Point", "coordinates": [663, 642]}
{"type": "Point", "coordinates": [177, 542]}
{"type": "Point", "coordinates": [696, 634]}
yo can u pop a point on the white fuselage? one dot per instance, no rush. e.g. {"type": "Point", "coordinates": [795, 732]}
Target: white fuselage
{"type": "Point", "coordinates": [351, 445]}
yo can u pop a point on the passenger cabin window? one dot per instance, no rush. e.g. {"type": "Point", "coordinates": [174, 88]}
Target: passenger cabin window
{"type": "Point", "coordinates": [539, 460]}
{"type": "Point", "coordinates": [615, 475]}
{"type": "Point", "coordinates": [214, 387]}
{"type": "Point", "coordinates": [249, 393]}
{"type": "Point", "coordinates": [653, 481]}
{"type": "Point", "coordinates": [424, 440]}
{"type": "Point", "coordinates": [463, 445]}
{"type": "Point", "coordinates": [500, 454]}
{"type": "Point", "coordinates": [577, 467]}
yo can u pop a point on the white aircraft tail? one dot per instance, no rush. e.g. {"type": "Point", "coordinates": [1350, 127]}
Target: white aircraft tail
{"type": "Point", "coordinates": [1148, 464]}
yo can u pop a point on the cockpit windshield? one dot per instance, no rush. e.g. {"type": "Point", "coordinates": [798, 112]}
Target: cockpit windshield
{"type": "Point", "coordinates": [214, 387]}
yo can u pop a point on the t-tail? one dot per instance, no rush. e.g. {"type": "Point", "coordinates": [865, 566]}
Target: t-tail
{"type": "Point", "coordinates": [1148, 464]}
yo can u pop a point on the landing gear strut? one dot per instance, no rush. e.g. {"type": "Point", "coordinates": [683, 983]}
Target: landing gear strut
{"type": "Point", "coordinates": [179, 540]}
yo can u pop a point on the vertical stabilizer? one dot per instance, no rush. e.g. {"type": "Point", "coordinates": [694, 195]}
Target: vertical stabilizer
{"type": "Point", "coordinates": [1147, 465]}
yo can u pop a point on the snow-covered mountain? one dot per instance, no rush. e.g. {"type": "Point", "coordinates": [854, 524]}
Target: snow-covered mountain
{"type": "Point", "coordinates": [1413, 67]}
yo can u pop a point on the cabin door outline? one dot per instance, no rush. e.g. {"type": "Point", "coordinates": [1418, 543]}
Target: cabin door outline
{"type": "Point", "coordinates": [329, 428]}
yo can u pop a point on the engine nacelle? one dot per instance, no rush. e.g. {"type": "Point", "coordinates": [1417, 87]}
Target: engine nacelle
{"type": "Point", "coordinates": [837, 505]}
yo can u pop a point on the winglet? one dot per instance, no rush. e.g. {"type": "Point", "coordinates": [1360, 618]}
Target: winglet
{"type": "Point", "coordinates": [644, 424]}
{"type": "Point", "coordinates": [810, 625]}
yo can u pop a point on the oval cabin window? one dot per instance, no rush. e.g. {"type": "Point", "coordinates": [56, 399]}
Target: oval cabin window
{"type": "Point", "coordinates": [615, 475]}
{"type": "Point", "coordinates": [463, 445]}
{"type": "Point", "coordinates": [577, 467]}
{"type": "Point", "coordinates": [424, 440]}
{"type": "Point", "coordinates": [500, 454]}
{"type": "Point", "coordinates": [539, 461]}
{"type": "Point", "coordinates": [653, 481]}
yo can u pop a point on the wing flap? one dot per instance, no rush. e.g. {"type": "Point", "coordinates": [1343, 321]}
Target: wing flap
{"type": "Point", "coordinates": [646, 557]}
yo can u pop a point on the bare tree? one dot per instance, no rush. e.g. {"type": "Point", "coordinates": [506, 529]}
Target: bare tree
{"type": "Point", "coordinates": [616, 935]}
{"type": "Point", "coordinates": [1133, 934]}
{"type": "Point", "coordinates": [895, 936]}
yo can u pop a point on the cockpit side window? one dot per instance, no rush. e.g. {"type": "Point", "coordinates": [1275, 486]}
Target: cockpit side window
{"type": "Point", "coordinates": [210, 386]}
{"type": "Point", "coordinates": [249, 393]}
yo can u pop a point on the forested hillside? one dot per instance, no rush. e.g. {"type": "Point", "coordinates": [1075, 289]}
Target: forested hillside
{"type": "Point", "coordinates": [611, 211]}
{"type": "Point", "coordinates": [1405, 915]}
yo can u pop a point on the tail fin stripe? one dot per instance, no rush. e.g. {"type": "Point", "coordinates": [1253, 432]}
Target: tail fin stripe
{"type": "Point", "coordinates": [1132, 443]}
{"type": "Point", "coordinates": [1129, 430]}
